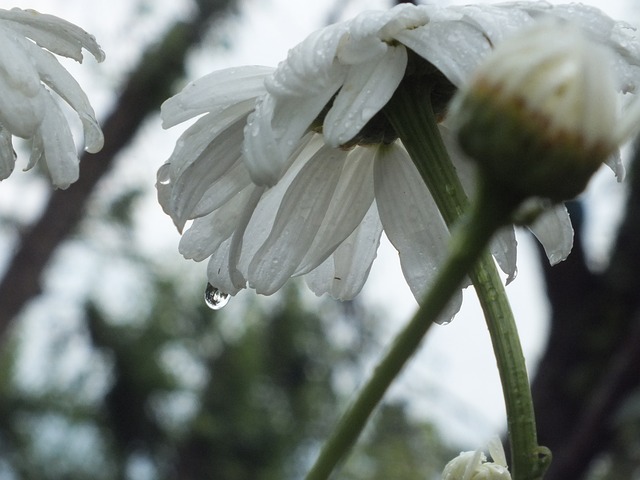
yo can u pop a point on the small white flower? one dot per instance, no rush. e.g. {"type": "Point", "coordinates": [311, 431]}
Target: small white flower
{"type": "Point", "coordinates": [474, 465]}
{"type": "Point", "coordinates": [29, 73]}
{"type": "Point", "coordinates": [296, 172]}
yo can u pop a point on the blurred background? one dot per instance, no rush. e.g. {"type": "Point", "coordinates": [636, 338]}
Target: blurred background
{"type": "Point", "coordinates": [113, 367]}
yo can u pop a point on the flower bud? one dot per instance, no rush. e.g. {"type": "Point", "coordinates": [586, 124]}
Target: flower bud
{"type": "Point", "coordinates": [539, 116]}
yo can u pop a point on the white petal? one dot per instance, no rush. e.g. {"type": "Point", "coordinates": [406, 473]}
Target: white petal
{"type": "Point", "coordinates": [215, 92]}
{"type": "Point", "coordinates": [62, 82]}
{"type": "Point", "coordinates": [234, 180]}
{"type": "Point", "coordinates": [195, 139]}
{"type": "Point", "coordinates": [219, 272]}
{"type": "Point", "coordinates": [21, 103]}
{"type": "Point", "coordinates": [261, 149]}
{"type": "Point", "coordinates": [7, 154]}
{"type": "Point", "coordinates": [53, 33]}
{"type": "Point", "coordinates": [554, 231]}
{"type": "Point", "coordinates": [496, 450]}
{"type": "Point", "coordinates": [614, 162]}
{"type": "Point", "coordinates": [223, 269]}
{"type": "Point", "coordinates": [299, 90]}
{"type": "Point", "coordinates": [454, 47]}
{"type": "Point", "coordinates": [367, 88]}
{"type": "Point", "coordinates": [504, 248]}
{"type": "Point", "coordinates": [16, 67]}
{"type": "Point", "coordinates": [58, 146]}
{"type": "Point", "coordinates": [299, 217]}
{"type": "Point", "coordinates": [207, 233]}
{"type": "Point", "coordinates": [265, 157]}
{"type": "Point", "coordinates": [619, 36]}
{"type": "Point", "coordinates": [310, 67]}
{"type": "Point", "coordinates": [194, 147]}
{"type": "Point", "coordinates": [364, 41]}
{"type": "Point", "coordinates": [495, 21]}
{"type": "Point", "coordinates": [351, 200]}
{"type": "Point", "coordinates": [412, 221]}
{"type": "Point", "coordinates": [207, 170]}
{"type": "Point", "coordinates": [263, 217]}
{"type": "Point", "coordinates": [344, 273]}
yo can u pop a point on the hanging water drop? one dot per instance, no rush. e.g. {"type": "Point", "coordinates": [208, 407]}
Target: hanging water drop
{"type": "Point", "coordinates": [214, 298]}
{"type": "Point", "coordinates": [163, 176]}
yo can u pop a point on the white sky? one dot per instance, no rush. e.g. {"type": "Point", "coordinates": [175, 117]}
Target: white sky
{"type": "Point", "coordinates": [453, 380]}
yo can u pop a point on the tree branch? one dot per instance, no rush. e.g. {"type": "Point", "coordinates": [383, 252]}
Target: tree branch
{"type": "Point", "coordinates": [590, 364]}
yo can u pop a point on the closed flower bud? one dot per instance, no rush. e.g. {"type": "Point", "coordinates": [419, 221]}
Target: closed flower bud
{"type": "Point", "coordinates": [539, 116]}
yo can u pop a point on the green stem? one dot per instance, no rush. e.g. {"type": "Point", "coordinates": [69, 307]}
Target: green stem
{"type": "Point", "coordinates": [412, 117]}
{"type": "Point", "coordinates": [467, 245]}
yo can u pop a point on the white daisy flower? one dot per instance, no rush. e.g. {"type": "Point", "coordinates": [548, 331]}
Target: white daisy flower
{"type": "Point", "coordinates": [29, 74]}
{"type": "Point", "coordinates": [296, 171]}
{"type": "Point", "coordinates": [475, 466]}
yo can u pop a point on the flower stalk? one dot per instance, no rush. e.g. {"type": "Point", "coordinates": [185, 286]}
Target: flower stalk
{"type": "Point", "coordinates": [415, 123]}
{"type": "Point", "coordinates": [412, 116]}
{"type": "Point", "coordinates": [468, 244]}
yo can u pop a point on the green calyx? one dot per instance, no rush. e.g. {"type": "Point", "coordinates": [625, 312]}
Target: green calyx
{"type": "Point", "coordinates": [520, 151]}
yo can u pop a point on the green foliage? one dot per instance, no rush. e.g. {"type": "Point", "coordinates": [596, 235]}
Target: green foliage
{"type": "Point", "coordinates": [398, 447]}
{"type": "Point", "coordinates": [248, 392]}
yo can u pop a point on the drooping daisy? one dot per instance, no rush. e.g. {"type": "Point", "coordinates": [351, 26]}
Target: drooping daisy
{"type": "Point", "coordinates": [296, 171]}
{"type": "Point", "coordinates": [29, 75]}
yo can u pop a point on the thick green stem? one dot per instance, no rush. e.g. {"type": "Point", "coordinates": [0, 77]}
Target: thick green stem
{"type": "Point", "coordinates": [467, 245]}
{"type": "Point", "coordinates": [411, 115]}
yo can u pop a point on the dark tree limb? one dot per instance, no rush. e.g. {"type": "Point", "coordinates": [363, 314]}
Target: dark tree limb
{"type": "Point", "coordinates": [147, 87]}
{"type": "Point", "coordinates": [591, 362]}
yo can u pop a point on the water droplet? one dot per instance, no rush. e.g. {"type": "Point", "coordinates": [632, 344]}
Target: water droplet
{"type": "Point", "coordinates": [164, 174]}
{"type": "Point", "coordinates": [214, 298]}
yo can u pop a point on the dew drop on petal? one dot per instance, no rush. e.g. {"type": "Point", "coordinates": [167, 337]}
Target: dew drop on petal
{"type": "Point", "coordinates": [164, 174]}
{"type": "Point", "coordinates": [214, 298]}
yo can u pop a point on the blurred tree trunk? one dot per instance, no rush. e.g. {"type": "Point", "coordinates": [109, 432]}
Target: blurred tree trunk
{"type": "Point", "coordinates": [591, 362]}
{"type": "Point", "coordinates": [148, 86]}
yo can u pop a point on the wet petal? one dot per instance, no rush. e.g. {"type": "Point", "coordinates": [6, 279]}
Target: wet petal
{"type": "Point", "coordinates": [504, 248]}
{"type": "Point", "coordinates": [299, 217]}
{"type": "Point", "coordinates": [261, 149]}
{"type": "Point", "coordinates": [220, 273]}
{"type": "Point", "coordinates": [299, 89]}
{"type": "Point", "coordinates": [223, 269]}
{"type": "Point", "coordinates": [367, 88]}
{"type": "Point", "coordinates": [554, 231]}
{"type": "Point", "coordinates": [58, 148]}
{"type": "Point", "coordinates": [53, 33]}
{"type": "Point", "coordinates": [7, 154]}
{"type": "Point", "coordinates": [214, 93]}
{"type": "Point", "coordinates": [453, 46]}
{"type": "Point", "coordinates": [207, 233]}
{"type": "Point", "coordinates": [614, 162]}
{"type": "Point", "coordinates": [53, 74]}
{"type": "Point", "coordinates": [412, 221]}
{"type": "Point", "coordinates": [21, 102]}
{"type": "Point", "coordinates": [207, 169]}
{"type": "Point", "coordinates": [18, 71]}
{"type": "Point", "coordinates": [343, 274]}
{"type": "Point", "coordinates": [350, 202]}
